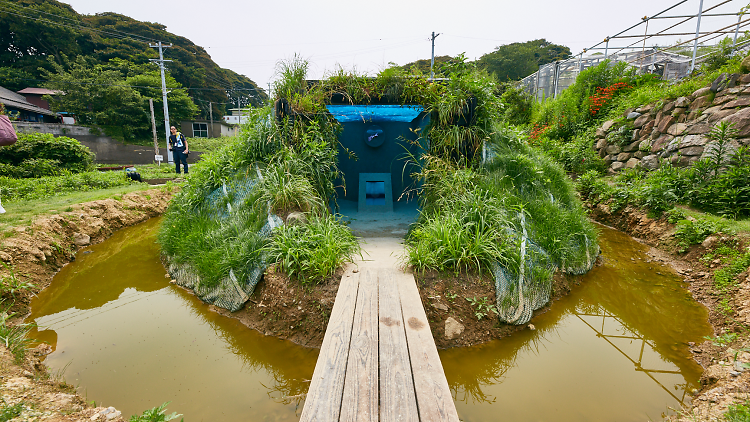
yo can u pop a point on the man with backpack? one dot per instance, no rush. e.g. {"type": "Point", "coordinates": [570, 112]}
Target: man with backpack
{"type": "Point", "coordinates": [179, 147]}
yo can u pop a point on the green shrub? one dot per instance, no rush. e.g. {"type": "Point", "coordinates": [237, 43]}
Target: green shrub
{"type": "Point", "coordinates": [591, 185]}
{"type": "Point", "coordinates": [313, 251]}
{"type": "Point", "coordinates": [517, 104]}
{"type": "Point", "coordinates": [577, 156]}
{"type": "Point", "coordinates": [32, 168]}
{"type": "Point", "coordinates": [68, 152]}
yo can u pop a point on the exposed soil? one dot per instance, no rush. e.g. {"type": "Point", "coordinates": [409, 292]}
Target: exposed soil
{"type": "Point", "coordinates": [36, 253]}
{"type": "Point", "coordinates": [725, 380]}
{"type": "Point", "coordinates": [448, 296]}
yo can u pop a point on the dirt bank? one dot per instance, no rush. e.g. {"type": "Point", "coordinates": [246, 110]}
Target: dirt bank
{"type": "Point", "coordinates": [35, 254]}
{"type": "Point", "coordinates": [725, 381]}
{"type": "Point", "coordinates": [447, 301]}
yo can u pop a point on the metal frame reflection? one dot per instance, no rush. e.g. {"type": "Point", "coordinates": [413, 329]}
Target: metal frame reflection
{"type": "Point", "coordinates": [638, 364]}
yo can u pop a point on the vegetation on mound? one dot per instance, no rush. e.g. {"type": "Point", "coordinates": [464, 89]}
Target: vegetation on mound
{"type": "Point", "coordinates": [476, 181]}
{"type": "Point", "coordinates": [273, 167]}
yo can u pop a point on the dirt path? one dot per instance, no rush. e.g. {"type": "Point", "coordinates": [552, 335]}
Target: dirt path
{"type": "Point", "coordinates": [35, 254]}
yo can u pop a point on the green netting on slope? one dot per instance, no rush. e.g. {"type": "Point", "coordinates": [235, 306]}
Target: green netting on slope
{"type": "Point", "coordinates": [519, 293]}
{"type": "Point", "coordinates": [230, 293]}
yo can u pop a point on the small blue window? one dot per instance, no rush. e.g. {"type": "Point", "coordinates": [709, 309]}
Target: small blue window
{"type": "Point", "coordinates": [375, 193]}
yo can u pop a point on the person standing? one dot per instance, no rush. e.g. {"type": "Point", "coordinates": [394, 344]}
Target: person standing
{"type": "Point", "coordinates": [179, 147]}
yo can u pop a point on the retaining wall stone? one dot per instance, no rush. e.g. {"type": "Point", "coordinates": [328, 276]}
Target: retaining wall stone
{"type": "Point", "coordinates": [677, 131]}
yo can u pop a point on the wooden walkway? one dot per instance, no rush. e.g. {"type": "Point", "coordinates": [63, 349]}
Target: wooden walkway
{"type": "Point", "coordinates": [378, 361]}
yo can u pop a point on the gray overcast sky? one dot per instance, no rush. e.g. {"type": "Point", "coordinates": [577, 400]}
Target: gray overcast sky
{"type": "Point", "coordinates": [249, 37]}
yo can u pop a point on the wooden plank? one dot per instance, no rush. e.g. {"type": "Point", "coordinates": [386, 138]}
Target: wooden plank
{"type": "Point", "coordinates": [360, 402]}
{"type": "Point", "coordinates": [433, 394]}
{"type": "Point", "coordinates": [323, 401]}
{"type": "Point", "coordinates": [397, 399]}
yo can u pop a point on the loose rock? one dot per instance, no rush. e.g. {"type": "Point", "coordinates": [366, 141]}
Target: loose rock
{"type": "Point", "coordinates": [453, 328]}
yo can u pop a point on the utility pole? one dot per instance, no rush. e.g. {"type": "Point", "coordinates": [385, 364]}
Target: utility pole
{"type": "Point", "coordinates": [160, 62]}
{"type": "Point", "coordinates": [211, 116]}
{"type": "Point", "coordinates": [432, 57]}
{"type": "Point", "coordinates": [239, 114]}
{"type": "Point", "coordinates": [157, 157]}
{"type": "Point", "coordinates": [697, 32]}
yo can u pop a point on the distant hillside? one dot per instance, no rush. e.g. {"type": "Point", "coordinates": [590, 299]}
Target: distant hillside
{"type": "Point", "coordinates": [35, 32]}
{"type": "Point", "coordinates": [510, 61]}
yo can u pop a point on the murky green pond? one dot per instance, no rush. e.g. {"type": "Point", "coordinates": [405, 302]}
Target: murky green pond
{"type": "Point", "coordinates": [615, 349]}
{"type": "Point", "coordinates": [129, 339]}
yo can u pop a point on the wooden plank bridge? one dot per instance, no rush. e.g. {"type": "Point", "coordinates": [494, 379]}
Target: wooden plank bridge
{"type": "Point", "coordinates": [378, 360]}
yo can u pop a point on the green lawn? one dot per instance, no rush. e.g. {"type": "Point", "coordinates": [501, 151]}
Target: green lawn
{"type": "Point", "coordinates": [21, 213]}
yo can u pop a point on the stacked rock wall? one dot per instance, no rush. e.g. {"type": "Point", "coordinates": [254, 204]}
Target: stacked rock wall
{"type": "Point", "coordinates": [677, 131]}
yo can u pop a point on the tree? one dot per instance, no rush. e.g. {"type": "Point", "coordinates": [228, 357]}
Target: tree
{"type": "Point", "coordinates": [40, 29]}
{"type": "Point", "coordinates": [115, 95]}
{"type": "Point", "coordinates": [148, 85]}
{"type": "Point", "coordinates": [517, 60]}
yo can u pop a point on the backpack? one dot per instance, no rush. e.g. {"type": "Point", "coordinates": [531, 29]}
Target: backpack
{"type": "Point", "coordinates": [7, 133]}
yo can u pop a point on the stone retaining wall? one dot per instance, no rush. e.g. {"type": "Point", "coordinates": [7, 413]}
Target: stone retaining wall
{"type": "Point", "coordinates": [676, 131]}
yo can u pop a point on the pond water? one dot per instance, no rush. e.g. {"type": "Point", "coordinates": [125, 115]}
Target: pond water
{"type": "Point", "coordinates": [614, 349]}
{"type": "Point", "coordinates": [129, 339]}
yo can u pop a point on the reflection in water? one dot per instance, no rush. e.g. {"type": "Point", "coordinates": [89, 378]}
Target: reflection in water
{"type": "Point", "coordinates": [614, 349]}
{"type": "Point", "coordinates": [131, 340]}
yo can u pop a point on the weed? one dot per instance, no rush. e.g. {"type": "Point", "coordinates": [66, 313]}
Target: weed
{"type": "Point", "coordinates": [739, 412]}
{"type": "Point", "coordinates": [724, 278]}
{"type": "Point", "coordinates": [724, 307]}
{"type": "Point", "coordinates": [482, 307]}
{"type": "Point", "coordinates": [68, 209]}
{"type": "Point", "coordinates": [694, 231]}
{"type": "Point", "coordinates": [8, 412]}
{"type": "Point", "coordinates": [11, 284]}
{"type": "Point", "coordinates": [14, 336]}
{"type": "Point", "coordinates": [450, 296]}
{"type": "Point", "coordinates": [722, 340]}
{"type": "Point", "coordinates": [157, 414]}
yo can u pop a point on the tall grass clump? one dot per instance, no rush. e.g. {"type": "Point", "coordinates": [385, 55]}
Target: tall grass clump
{"type": "Point", "coordinates": [14, 337]}
{"type": "Point", "coordinates": [313, 251]}
{"type": "Point", "coordinates": [471, 209]}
